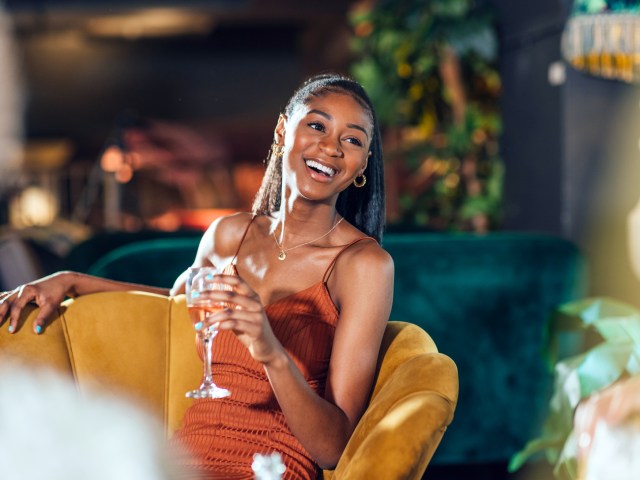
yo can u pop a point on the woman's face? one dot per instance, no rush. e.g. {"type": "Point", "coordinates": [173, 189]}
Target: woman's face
{"type": "Point", "coordinates": [326, 145]}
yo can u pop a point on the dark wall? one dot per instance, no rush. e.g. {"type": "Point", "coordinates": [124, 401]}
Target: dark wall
{"type": "Point", "coordinates": [602, 180]}
{"type": "Point", "coordinates": [78, 86]}
{"type": "Point", "coordinates": [600, 118]}
{"type": "Point", "coordinates": [237, 71]}
{"type": "Point", "coordinates": [529, 34]}
{"type": "Point", "coordinates": [571, 150]}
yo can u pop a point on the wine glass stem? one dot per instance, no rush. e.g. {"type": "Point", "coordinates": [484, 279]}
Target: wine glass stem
{"type": "Point", "coordinates": [208, 340]}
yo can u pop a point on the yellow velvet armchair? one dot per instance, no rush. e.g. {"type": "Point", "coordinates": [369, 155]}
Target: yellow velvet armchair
{"type": "Point", "coordinates": [141, 346]}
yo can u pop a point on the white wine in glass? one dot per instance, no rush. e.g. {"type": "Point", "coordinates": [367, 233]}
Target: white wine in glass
{"type": "Point", "coordinates": [200, 287]}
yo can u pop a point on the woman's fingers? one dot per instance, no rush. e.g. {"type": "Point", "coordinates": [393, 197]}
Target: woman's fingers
{"type": "Point", "coordinates": [5, 305]}
{"type": "Point", "coordinates": [252, 330]}
{"type": "Point", "coordinates": [235, 291]}
{"type": "Point", "coordinates": [13, 303]}
{"type": "Point", "coordinates": [237, 285]}
{"type": "Point", "coordinates": [25, 294]}
{"type": "Point", "coordinates": [237, 319]}
{"type": "Point", "coordinates": [235, 300]}
{"type": "Point", "coordinates": [244, 316]}
{"type": "Point", "coordinates": [44, 313]}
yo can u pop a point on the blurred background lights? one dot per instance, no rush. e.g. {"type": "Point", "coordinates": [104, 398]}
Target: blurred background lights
{"type": "Point", "coordinates": [111, 159]}
{"type": "Point", "coordinates": [34, 206]}
{"type": "Point", "coordinates": [151, 23]}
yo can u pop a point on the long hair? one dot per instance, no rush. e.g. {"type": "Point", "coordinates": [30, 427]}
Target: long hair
{"type": "Point", "coordinates": [362, 207]}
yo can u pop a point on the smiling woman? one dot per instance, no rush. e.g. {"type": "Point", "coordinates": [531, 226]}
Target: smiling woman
{"type": "Point", "coordinates": [364, 207]}
{"type": "Point", "coordinates": [298, 344]}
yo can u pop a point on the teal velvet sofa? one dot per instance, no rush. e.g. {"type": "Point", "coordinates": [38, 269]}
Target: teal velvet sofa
{"type": "Point", "coordinates": [485, 301]}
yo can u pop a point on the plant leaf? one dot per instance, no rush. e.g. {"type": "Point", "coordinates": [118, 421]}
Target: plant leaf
{"type": "Point", "coordinates": [616, 355]}
{"type": "Point", "coordinates": [602, 366]}
{"type": "Point", "coordinates": [531, 448]}
{"type": "Point", "coordinates": [619, 329]}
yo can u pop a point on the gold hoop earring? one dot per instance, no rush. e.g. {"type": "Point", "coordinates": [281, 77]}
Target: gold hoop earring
{"type": "Point", "coordinates": [360, 183]}
{"type": "Point", "coordinates": [277, 150]}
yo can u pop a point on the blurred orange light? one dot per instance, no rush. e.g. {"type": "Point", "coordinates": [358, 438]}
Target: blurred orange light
{"type": "Point", "coordinates": [124, 174]}
{"type": "Point", "coordinates": [135, 160]}
{"type": "Point", "coordinates": [111, 159]}
{"type": "Point", "coordinates": [202, 218]}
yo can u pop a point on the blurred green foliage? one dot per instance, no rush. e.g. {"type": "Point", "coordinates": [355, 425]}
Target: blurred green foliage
{"type": "Point", "coordinates": [607, 350]}
{"type": "Point", "coordinates": [430, 67]}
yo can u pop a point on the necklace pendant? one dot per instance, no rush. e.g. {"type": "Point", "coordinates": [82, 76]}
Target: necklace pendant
{"type": "Point", "coordinates": [282, 255]}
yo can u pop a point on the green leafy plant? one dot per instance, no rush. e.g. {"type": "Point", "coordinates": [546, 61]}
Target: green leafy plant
{"type": "Point", "coordinates": [599, 6]}
{"type": "Point", "coordinates": [430, 69]}
{"type": "Point", "coordinates": [606, 335]}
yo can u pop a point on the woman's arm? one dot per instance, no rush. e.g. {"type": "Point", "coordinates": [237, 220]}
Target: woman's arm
{"type": "Point", "coordinates": [364, 292]}
{"type": "Point", "coordinates": [49, 291]}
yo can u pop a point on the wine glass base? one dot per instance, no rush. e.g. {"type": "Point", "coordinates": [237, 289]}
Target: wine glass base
{"type": "Point", "coordinates": [212, 391]}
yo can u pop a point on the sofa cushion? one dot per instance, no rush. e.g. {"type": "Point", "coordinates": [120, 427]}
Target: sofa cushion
{"type": "Point", "coordinates": [413, 401]}
{"type": "Point", "coordinates": [118, 342]}
{"type": "Point", "coordinates": [185, 367]}
{"type": "Point", "coordinates": [28, 348]}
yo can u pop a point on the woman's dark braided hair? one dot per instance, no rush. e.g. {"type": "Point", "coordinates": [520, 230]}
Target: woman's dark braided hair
{"type": "Point", "coordinates": [362, 207]}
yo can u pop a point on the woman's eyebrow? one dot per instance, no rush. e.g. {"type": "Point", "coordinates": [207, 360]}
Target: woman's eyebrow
{"type": "Point", "coordinates": [358, 127]}
{"type": "Point", "coordinates": [329, 117]}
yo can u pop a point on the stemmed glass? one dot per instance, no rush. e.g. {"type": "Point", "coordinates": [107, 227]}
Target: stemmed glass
{"type": "Point", "coordinates": [200, 286]}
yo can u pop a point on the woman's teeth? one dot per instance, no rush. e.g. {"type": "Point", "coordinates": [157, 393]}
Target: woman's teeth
{"type": "Point", "coordinates": [328, 171]}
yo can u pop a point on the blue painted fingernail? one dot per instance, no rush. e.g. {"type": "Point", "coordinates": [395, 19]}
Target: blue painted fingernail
{"type": "Point", "coordinates": [198, 326]}
{"type": "Point", "coordinates": [11, 329]}
{"type": "Point", "coordinates": [39, 329]}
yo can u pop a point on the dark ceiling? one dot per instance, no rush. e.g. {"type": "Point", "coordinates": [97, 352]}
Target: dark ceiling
{"type": "Point", "coordinates": [225, 65]}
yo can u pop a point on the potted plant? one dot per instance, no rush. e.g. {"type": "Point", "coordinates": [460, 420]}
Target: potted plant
{"type": "Point", "coordinates": [603, 338]}
{"type": "Point", "coordinates": [430, 68]}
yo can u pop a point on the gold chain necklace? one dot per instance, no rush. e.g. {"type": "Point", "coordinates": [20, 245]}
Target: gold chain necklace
{"type": "Point", "coordinates": [283, 251]}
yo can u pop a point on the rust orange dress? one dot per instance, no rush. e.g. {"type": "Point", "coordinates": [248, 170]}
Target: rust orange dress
{"type": "Point", "coordinates": [222, 435]}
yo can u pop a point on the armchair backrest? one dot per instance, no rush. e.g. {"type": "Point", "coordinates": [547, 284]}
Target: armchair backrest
{"type": "Point", "coordinates": [141, 346]}
{"type": "Point", "coordinates": [412, 404]}
{"type": "Point", "coordinates": [134, 344]}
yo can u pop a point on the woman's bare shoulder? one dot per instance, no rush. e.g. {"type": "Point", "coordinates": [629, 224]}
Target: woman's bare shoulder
{"type": "Point", "coordinates": [362, 280]}
{"type": "Point", "coordinates": [361, 264]}
{"type": "Point", "coordinates": [224, 234]}
{"type": "Point", "coordinates": [367, 256]}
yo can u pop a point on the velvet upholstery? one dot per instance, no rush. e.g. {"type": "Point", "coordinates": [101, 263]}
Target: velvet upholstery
{"type": "Point", "coordinates": [144, 262]}
{"type": "Point", "coordinates": [142, 346]}
{"type": "Point", "coordinates": [412, 403]}
{"type": "Point", "coordinates": [26, 348]}
{"type": "Point", "coordinates": [94, 249]}
{"type": "Point", "coordinates": [485, 300]}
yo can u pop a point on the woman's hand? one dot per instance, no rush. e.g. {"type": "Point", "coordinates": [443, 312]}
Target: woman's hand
{"type": "Point", "coordinates": [246, 317]}
{"type": "Point", "coordinates": [46, 292]}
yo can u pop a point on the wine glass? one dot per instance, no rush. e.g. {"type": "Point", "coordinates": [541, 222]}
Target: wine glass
{"type": "Point", "coordinates": [200, 286]}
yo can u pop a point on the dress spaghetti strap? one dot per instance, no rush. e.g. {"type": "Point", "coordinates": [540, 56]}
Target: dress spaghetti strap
{"type": "Point", "coordinates": [235, 256]}
{"type": "Point", "coordinates": [329, 270]}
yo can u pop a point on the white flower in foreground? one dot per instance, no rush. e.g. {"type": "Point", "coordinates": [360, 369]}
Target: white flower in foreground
{"type": "Point", "coordinates": [48, 430]}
